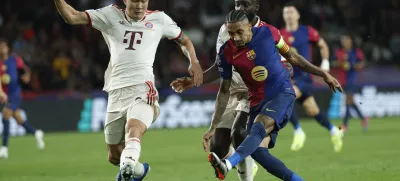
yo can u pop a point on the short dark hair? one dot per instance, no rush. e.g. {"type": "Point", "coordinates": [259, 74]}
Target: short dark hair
{"type": "Point", "coordinates": [236, 16]}
{"type": "Point", "coordinates": [3, 40]}
{"type": "Point", "coordinates": [291, 4]}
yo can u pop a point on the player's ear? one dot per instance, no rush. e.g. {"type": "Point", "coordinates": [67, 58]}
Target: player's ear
{"type": "Point", "coordinates": [124, 2]}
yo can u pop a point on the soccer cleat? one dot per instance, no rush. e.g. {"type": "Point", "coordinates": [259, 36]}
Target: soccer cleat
{"type": "Point", "coordinates": [3, 153]}
{"type": "Point", "coordinates": [39, 139]}
{"type": "Point", "coordinates": [364, 124]}
{"type": "Point", "coordinates": [127, 170]}
{"type": "Point", "coordinates": [146, 171]}
{"type": "Point", "coordinates": [219, 166]}
{"type": "Point", "coordinates": [298, 141]}
{"type": "Point", "coordinates": [255, 169]}
{"type": "Point", "coordinates": [337, 140]}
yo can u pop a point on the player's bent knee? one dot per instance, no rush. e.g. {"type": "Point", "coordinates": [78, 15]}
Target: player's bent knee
{"type": "Point", "coordinates": [135, 128]}
{"type": "Point", "coordinates": [311, 106]}
{"type": "Point", "coordinates": [265, 142]}
{"type": "Point", "coordinates": [7, 113]}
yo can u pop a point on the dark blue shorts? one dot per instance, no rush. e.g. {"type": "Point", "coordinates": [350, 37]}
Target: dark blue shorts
{"type": "Point", "coordinates": [350, 89]}
{"type": "Point", "coordinates": [14, 101]}
{"type": "Point", "coordinates": [306, 89]}
{"type": "Point", "coordinates": [279, 108]}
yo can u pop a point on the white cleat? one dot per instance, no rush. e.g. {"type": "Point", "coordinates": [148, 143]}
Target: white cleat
{"type": "Point", "coordinates": [39, 139]}
{"type": "Point", "coordinates": [127, 169]}
{"type": "Point", "coordinates": [298, 141]}
{"type": "Point", "coordinates": [3, 153]}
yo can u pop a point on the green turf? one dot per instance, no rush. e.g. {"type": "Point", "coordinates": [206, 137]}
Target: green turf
{"type": "Point", "coordinates": [177, 155]}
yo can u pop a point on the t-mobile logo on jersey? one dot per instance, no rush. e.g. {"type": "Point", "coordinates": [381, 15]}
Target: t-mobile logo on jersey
{"type": "Point", "coordinates": [133, 39]}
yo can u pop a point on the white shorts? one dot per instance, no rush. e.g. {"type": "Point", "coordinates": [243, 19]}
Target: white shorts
{"type": "Point", "coordinates": [138, 102]}
{"type": "Point", "coordinates": [237, 102]}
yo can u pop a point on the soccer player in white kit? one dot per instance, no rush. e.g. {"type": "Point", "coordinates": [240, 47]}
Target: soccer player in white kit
{"type": "Point", "coordinates": [132, 36]}
{"type": "Point", "coordinates": [232, 127]}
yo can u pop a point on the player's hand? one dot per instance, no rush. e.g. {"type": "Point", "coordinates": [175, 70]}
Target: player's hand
{"type": "Point", "coordinates": [197, 73]}
{"type": "Point", "coordinates": [332, 83]}
{"type": "Point", "coordinates": [181, 84]}
{"type": "Point", "coordinates": [3, 97]}
{"type": "Point", "coordinates": [206, 139]}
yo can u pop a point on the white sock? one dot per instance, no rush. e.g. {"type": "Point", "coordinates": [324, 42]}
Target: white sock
{"type": "Point", "coordinates": [298, 131]}
{"type": "Point", "coordinates": [228, 164]}
{"type": "Point", "coordinates": [231, 150]}
{"type": "Point", "coordinates": [139, 170]}
{"type": "Point", "coordinates": [246, 169]}
{"type": "Point", "coordinates": [334, 130]}
{"type": "Point", "coordinates": [131, 151]}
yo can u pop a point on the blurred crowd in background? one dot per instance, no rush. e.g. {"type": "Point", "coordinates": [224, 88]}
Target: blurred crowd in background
{"type": "Point", "coordinates": [74, 58]}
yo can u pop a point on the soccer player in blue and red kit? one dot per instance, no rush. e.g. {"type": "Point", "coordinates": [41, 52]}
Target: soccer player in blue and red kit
{"type": "Point", "coordinates": [254, 53]}
{"type": "Point", "coordinates": [351, 61]}
{"type": "Point", "coordinates": [11, 66]}
{"type": "Point", "coordinates": [300, 38]}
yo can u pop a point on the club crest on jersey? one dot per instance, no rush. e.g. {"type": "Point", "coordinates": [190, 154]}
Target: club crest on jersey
{"type": "Point", "coordinates": [251, 55]}
{"type": "Point", "coordinates": [149, 25]}
{"type": "Point", "coordinates": [291, 39]}
{"type": "Point", "coordinates": [259, 73]}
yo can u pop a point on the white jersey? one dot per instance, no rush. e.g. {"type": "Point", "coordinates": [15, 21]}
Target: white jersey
{"type": "Point", "coordinates": [237, 84]}
{"type": "Point", "coordinates": [132, 44]}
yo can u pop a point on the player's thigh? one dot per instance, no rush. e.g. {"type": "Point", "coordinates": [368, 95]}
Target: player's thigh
{"type": "Point", "coordinates": [311, 106]}
{"type": "Point", "coordinates": [141, 115]}
{"type": "Point", "coordinates": [114, 128]}
{"type": "Point", "coordinates": [297, 91]}
{"type": "Point", "coordinates": [229, 114]}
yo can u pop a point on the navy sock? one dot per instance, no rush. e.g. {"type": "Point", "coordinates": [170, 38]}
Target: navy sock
{"type": "Point", "coordinates": [6, 132]}
{"type": "Point", "coordinates": [249, 145]}
{"type": "Point", "coordinates": [323, 120]}
{"type": "Point", "coordinates": [28, 127]}
{"type": "Point", "coordinates": [358, 111]}
{"type": "Point", "coordinates": [294, 119]}
{"type": "Point", "coordinates": [273, 165]}
{"type": "Point", "coordinates": [347, 115]}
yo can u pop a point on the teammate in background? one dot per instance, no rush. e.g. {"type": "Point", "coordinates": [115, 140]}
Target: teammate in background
{"type": "Point", "coordinates": [10, 93]}
{"type": "Point", "coordinates": [132, 35]}
{"type": "Point", "coordinates": [351, 60]}
{"type": "Point", "coordinates": [254, 52]}
{"type": "Point", "coordinates": [232, 128]}
{"type": "Point", "coordinates": [299, 38]}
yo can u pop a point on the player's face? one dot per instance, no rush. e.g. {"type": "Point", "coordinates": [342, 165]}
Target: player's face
{"type": "Point", "coordinates": [249, 6]}
{"type": "Point", "coordinates": [136, 8]}
{"type": "Point", "coordinates": [240, 32]}
{"type": "Point", "coordinates": [3, 49]}
{"type": "Point", "coordinates": [346, 41]}
{"type": "Point", "coordinates": [290, 14]}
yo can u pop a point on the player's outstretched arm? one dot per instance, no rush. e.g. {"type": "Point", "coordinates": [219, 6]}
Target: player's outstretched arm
{"type": "Point", "coordinates": [184, 83]}
{"type": "Point", "coordinates": [299, 61]}
{"type": "Point", "coordinates": [3, 95]}
{"type": "Point", "coordinates": [194, 67]}
{"type": "Point", "coordinates": [70, 15]}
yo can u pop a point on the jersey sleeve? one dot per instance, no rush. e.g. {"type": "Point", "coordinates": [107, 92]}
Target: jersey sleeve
{"type": "Point", "coordinates": [279, 41]}
{"type": "Point", "coordinates": [313, 35]}
{"type": "Point", "coordinates": [224, 67]}
{"type": "Point", "coordinates": [171, 30]}
{"type": "Point", "coordinates": [20, 62]}
{"type": "Point", "coordinates": [360, 55]}
{"type": "Point", "coordinates": [98, 18]}
{"type": "Point", "coordinates": [221, 37]}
